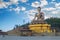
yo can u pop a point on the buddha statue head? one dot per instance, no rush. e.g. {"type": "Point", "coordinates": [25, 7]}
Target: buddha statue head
{"type": "Point", "coordinates": [39, 9]}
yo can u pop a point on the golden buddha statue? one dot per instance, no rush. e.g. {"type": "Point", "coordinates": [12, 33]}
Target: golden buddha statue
{"type": "Point", "coordinates": [38, 25]}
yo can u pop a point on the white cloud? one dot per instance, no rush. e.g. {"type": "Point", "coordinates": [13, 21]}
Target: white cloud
{"type": "Point", "coordinates": [23, 8]}
{"type": "Point", "coordinates": [49, 9]}
{"type": "Point", "coordinates": [55, 12]}
{"type": "Point", "coordinates": [14, 1]}
{"type": "Point", "coordinates": [46, 17]}
{"type": "Point", "coordinates": [18, 9]}
{"type": "Point", "coordinates": [57, 5]}
{"type": "Point", "coordinates": [31, 13]}
{"type": "Point", "coordinates": [23, 0]}
{"type": "Point", "coordinates": [35, 4]}
{"type": "Point", "coordinates": [52, 3]}
{"type": "Point", "coordinates": [43, 3]}
{"type": "Point", "coordinates": [7, 3]}
{"type": "Point", "coordinates": [4, 4]}
{"type": "Point", "coordinates": [31, 17]}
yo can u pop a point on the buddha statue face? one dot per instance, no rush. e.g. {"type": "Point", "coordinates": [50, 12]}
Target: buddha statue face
{"type": "Point", "coordinates": [39, 9]}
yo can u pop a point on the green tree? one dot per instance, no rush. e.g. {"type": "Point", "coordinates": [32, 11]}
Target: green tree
{"type": "Point", "coordinates": [55, 23]}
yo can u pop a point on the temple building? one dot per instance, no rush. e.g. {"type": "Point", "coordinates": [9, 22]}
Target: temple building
{"type": "Point", "coordinates": [38, 25]}
{"type": "Point", "coordinates": [3, 33]}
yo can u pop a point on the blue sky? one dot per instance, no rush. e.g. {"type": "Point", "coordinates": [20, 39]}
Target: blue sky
{"type": "Point", "coordinates": [14, 12]}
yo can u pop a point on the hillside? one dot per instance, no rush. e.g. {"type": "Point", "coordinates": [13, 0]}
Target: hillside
{"type": "Point", "coordinates": [55, 23]}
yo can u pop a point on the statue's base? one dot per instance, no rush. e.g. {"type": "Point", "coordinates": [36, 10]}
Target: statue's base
{"type": "Point", "coordinates": [38, 22]}
{"type": "Point", "coordinates": [40, 28]}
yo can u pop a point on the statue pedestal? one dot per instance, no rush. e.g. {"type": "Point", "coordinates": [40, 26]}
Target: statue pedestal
{"type": "Point", "coordinates": [40, 28]}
